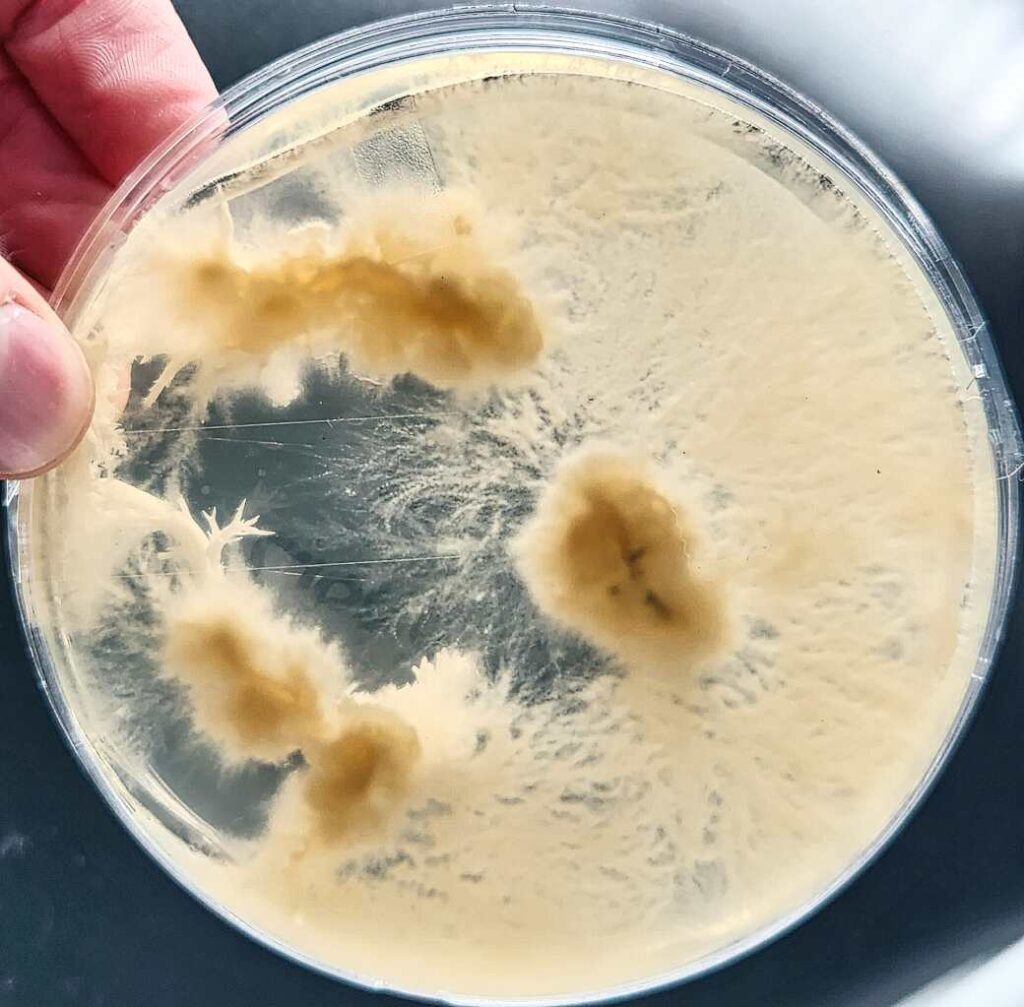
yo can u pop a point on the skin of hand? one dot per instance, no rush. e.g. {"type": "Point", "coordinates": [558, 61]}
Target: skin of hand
{"type": "Point", "coordinates": [87, 89]}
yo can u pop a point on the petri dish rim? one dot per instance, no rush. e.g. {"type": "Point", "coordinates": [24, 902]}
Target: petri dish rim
{"type": "Point", "coordinates": [528, 27]}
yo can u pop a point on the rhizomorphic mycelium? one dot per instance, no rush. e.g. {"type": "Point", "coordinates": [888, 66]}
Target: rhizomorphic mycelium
{"type": "Point", "coordinates": [545, 539]}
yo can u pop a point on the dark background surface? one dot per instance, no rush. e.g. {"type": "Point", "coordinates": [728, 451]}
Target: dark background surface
{"type": "Point", "coordinates": [86, 918]}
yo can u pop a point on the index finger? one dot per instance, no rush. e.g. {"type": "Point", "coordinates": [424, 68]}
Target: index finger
{"type": "Point", "coordinates": [118, 75]}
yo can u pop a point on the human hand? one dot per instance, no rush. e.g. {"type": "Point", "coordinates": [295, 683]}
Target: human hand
{"type": "Point", "coordinates": [87, 89]}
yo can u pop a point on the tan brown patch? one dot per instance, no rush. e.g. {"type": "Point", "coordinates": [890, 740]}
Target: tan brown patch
{"type": "Point", "coordinates": [609, 555]}
{"type": "Point", "coordinates": [392, 303]}
{"type": "Point", "coordinates": [356, 780]}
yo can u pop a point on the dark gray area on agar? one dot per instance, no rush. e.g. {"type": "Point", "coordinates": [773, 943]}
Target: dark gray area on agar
{"type": "Point", "coordinates": [87, 918]}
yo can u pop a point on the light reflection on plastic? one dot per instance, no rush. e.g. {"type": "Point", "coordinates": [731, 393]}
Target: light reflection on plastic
{"type": "Point", "coordinates": [941, 80]}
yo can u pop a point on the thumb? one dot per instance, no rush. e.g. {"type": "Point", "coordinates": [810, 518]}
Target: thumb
{"type": "Point", "coordinates": [46, 393]}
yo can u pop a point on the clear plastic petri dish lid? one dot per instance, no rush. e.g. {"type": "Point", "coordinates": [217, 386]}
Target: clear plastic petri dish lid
{"type": "Point", "coordinates": [561, 519]}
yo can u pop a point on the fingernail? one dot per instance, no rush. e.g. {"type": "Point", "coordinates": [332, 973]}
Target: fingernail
{"type": "Point", "coordinates": [45, 392]}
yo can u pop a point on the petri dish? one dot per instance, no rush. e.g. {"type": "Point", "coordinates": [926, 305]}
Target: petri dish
{"type": "Point", "coordinates": [549, 515]}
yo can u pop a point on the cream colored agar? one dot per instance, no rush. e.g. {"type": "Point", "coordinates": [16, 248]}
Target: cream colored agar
{"type": "Point", "coordinates": [777, 375]}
